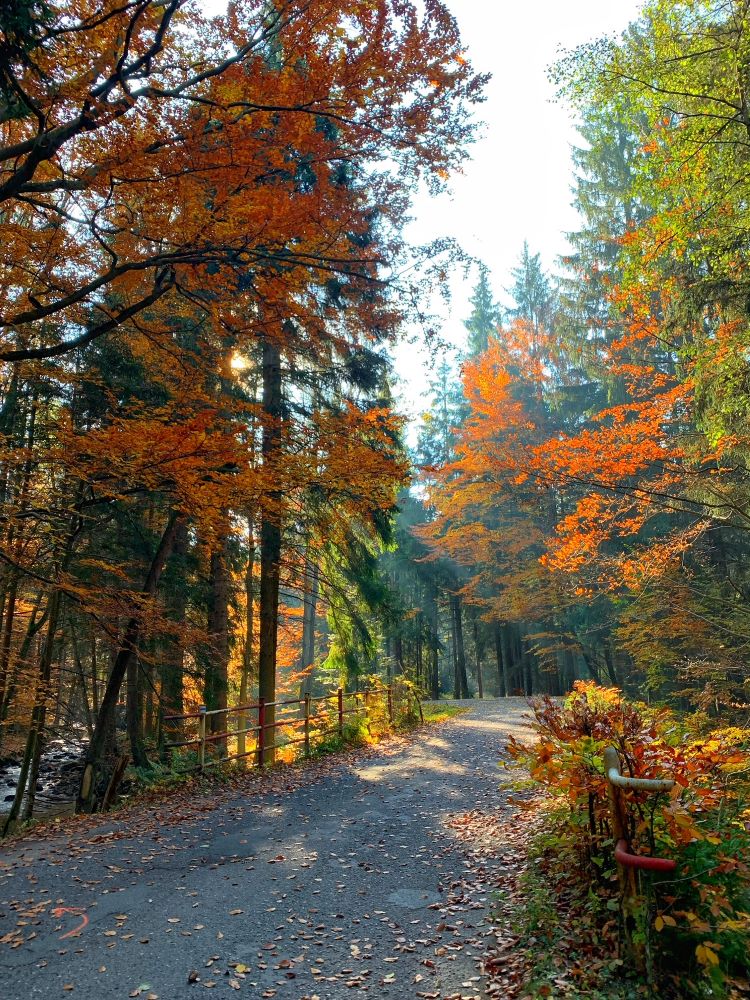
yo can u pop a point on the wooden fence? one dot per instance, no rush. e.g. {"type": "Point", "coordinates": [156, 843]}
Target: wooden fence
{"type": "Point", "coordinates": [244, 732]}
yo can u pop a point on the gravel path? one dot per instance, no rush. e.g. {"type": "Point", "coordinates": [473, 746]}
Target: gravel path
{"type": "Point", "coordinates": [353, 874]}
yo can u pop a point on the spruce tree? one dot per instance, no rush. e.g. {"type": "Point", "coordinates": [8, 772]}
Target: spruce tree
{"type": "Point", "coordinates": [485, 317]}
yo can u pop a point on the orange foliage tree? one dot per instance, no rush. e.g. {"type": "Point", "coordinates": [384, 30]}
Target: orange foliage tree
{"type": "Point", "coordinates": [182, 194]}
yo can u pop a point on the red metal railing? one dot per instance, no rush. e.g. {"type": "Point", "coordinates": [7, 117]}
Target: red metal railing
{"type": "Point", "coordinates": [617, 782]}
{"type": "Point", "coordinates": [643, 861]}
{"type": "Point", "coordinates": [628, 863]}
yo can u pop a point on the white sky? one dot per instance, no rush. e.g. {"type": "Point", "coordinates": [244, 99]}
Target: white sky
{"type": "Point", "coordinates": [518, 184]}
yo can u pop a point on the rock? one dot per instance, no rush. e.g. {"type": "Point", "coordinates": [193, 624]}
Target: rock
{"type": "Point", "coordinates": [72, 765]}
{"type": "Point", "coordinates": [9, 798]}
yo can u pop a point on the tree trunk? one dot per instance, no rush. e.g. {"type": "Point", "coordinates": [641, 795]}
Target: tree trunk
{"type": "Point", "coordinates": [246, 671]}
{"type": "Point", "coordinates": [434, 665]}
{"type": "Point", "coordinates": [133, 714]}
{"type": "Point", "coordinates": [39, 716]}
{"type": "Point", "coordinates": [32, 753]}
{"type": "Point", "coordinates": [15, 544]}
{"type": "Point", "coordinates": [34, 626]}
{"type": "Point", "coordinates": [477, 651]}
{"type": "Point", "coordinates": [461, 680]}
{"type": "Point", "coordinates": [454, 651]}
{"type": "Point", "coordinates": [81, 674]}
{"type": "Point", "coordinates": [94, 675]}
{"type": "Point", "coordinates": [309, 619]}
{"type": "Point", "coordinates": [398, 652]}
{"type": "Point", "coordinates": [518, 657]}
{"type": "Point", "coordinates": [527, 667]}
{"type": "Point", "coordinates": [217, 667]}
{"type": "Point", "coordinates": [149, 691]}
{"type": "Point", "coordinates": [591, 665]}
{"type": "Point", "coordinates": [35, 739]}
{"type": "Point", "coordinates": [270, 539]}
{"type": "Point", "coordinates": [172, 661]}
{"type": "Point", "coordinates": [610, 664]}
{"type": "Point", "coordinates": [5, 651]}
{"type": "Point", "coordinates": [503, 679]}
{"type": "Point", "coordinates": [570, 670]}
{"type": "Point", "coordinates": [419, 658]}
{"type": "Point", "coordinates": [101, 753]}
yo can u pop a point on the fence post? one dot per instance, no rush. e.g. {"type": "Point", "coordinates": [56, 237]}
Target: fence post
{"type": "Point", "coordinates": [261, 731]}
{"type": "Point", "coordinates": [340, 701]}
{"type": "Point", "coordinates": [307, 724]}
{"type": "Point", "coordinates": [202, 734]}
{"type": "Point", "coordinates": [389, 689]}
{"type": "Point", "coordinates": [366, 696]}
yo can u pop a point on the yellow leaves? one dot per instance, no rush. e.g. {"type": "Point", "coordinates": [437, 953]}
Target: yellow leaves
{"type": "Point", "coordinates": [740, 923]}
{"type": "Point", "coordinates": [664, 920]}
{"type": "Point", "coordinates": [706, 954]}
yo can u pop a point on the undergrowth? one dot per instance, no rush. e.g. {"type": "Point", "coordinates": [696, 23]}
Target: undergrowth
{"type": "Point", "coordinates": [357, 731]}
{"type": "Point", "coordinates": [567, 926]}
{"type": "Point", "coordinates": [689, 938]}
{"type": "Point", "coordinates": [435, 712]}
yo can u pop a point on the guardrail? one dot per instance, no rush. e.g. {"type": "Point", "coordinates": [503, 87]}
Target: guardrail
{"type": "Point", "coordinates": [628, 863]}
{"type": "Point", "coordinates": [297, 722]}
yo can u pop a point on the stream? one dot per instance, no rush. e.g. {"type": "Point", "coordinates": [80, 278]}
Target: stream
{"type": "Point", "coordinates": [59, 775]}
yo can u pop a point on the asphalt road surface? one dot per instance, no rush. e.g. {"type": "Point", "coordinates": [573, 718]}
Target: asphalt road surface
{"type": "Point", "coordinates": [346, 875]}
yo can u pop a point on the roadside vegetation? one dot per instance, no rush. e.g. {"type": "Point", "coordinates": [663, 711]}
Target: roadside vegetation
{"type": "Point", "coordinates": [690, 928]}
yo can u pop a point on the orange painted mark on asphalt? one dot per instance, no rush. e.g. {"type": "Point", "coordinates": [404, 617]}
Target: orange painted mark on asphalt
{"type": "Point", "coordinates": [76, 911]}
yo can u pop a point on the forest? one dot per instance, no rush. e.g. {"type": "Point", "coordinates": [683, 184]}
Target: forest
{"type": "Point", "coordinates": [209, 493]}
{"type": "Point", "coordinates": [205, 485]}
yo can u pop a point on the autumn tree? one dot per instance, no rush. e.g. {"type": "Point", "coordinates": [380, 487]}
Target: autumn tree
{"type": "Point", "coordinates": [182, 194]}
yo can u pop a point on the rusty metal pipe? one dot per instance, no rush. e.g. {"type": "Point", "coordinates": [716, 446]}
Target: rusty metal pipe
{"type": "Point", "coordinates": [620, 780]}
{"type": "Point", "coordinates": [643, 861]}
{"type": "Point", "coordinates": [623, 856]}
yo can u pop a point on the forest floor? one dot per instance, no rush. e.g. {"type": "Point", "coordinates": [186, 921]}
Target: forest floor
{"type": "Point", "coordinates": [373, 870]}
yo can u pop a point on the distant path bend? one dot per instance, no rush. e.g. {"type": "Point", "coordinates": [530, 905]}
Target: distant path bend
{"type": "Point", "coordinates": [365, 875]}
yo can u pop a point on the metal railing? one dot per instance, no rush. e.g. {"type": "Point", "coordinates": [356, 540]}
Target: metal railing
{"type": "Point", "coordinates": [297, 722]}
{"type": "Point", "coordinates": [617, 782]}
{"type": "Point", "coordinates": [628, 863]}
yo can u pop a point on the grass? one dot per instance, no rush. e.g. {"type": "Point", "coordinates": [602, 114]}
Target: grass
{"type": "Point", "coordinates": [435, 712]}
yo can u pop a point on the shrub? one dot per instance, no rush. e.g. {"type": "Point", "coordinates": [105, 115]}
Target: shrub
{"type": "Point", "coordinates": [703, 910]}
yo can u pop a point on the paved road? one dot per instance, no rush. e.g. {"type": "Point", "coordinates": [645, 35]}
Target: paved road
{"type": "Point", "coordinates": [347, 875]}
